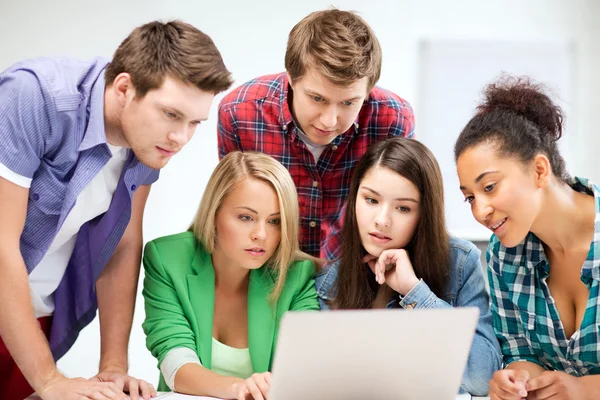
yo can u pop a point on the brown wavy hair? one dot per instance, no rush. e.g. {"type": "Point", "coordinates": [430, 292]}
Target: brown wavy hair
{"type": "Point", "coordinates": [429, 248]}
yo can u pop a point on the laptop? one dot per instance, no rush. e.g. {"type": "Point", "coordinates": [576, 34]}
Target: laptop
{"type": "Point", "coordinates": [372, 354]}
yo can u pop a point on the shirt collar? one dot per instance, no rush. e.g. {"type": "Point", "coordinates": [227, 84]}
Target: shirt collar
{"type": "Point", "coordinates": [533, 249]}
{"type": "Point", "coordinates": [591, 266]}
{"type": "Point", "coordinates": [95, 133]}
{"type": "Point", "coordinates": [285, 117]}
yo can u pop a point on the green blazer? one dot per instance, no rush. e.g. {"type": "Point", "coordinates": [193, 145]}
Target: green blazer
{"type": "Point", "coordinates": [179, 297]}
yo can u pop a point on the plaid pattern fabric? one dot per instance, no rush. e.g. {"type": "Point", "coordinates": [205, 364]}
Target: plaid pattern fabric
{"type": "Point", "coordinates": [256, 117]}
{"type": "Point", "coordinates": [525, 317]}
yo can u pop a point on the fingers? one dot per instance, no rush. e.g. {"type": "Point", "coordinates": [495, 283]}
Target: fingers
{"type": "Point", "coordinates": [243, 393]}
{"type": "Point", "coordinates": [505, 387]}
{"type": "Point", "coordinates": [147, 389]}
{"type": "Point", "coordinates": [104, 391]}
{"type": "Point", "coordinates": [134, 389]}
{"type": "Point", "coordinates": [254, 389]}
{"type": "Point", "coordinates": [542, 381]}
{"type": "Point", "coordinates": [387, 257]}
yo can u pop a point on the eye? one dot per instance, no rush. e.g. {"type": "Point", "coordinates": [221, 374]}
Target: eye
{"type": "Point", "coordinates": [275, 221]}
{"type": "Point", "coordinates": [245, 218]}
{"type": "Point", "coordinates": [469, 199]}
{"type": "Point", "coordinates": [195, 123]}
{"type": "Point", "coordinates": [348, 103]}
{"type": "Point", "coordinates": [317, 98]}
{"type": "Point", "coordinates": [489, 188]}
{"type": "Point", "coordinates": [170, 115]}
{"type": "Point", "coordinates": [403, 209]}
{"type": "Point", "coordinates": [370, 200]}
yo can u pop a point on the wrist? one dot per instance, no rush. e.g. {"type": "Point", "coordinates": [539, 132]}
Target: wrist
{"type": "Point", "coordinates": [117, 367]}
{"type": "Point", "coordinates": [408, 286]}
{"type": "Point", "coordinates": [235, 388]}
{"type": "Point", "coordinates": [44, 380]}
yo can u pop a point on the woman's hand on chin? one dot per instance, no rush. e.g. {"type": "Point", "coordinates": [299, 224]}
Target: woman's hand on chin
{"type": "Point", "coordinates": [394, 268]}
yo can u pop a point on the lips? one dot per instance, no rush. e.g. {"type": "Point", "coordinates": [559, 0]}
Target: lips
{"type": "Point", "coordinates": [379, 238]}
{"type": "Point", "coordinates": [166, 152]}
{"type": "Point", "coordinates": [256, 251]}
{"type": "Point", "coordinates": [494, 227]}
{"type": "Point", "coordinates": [324, 132]}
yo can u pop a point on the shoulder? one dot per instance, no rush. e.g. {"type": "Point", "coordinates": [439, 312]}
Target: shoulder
{"type": "Point", "coordinates": [173, 248]}
{"type": "Point", "coordinates": [59, 75]}
{"type": "Point", "coordinates": [390, 101]}
{"type": "Point", "coordinates": [257, 90]}
{"type": "Point", "coordinates": [464, 258]}
{"type": "Point", "coordinates": [326, 280]}
{"type": "Point", "coordinates": [301, 271]}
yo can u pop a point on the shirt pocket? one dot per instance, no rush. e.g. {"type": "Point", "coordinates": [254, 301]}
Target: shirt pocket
{"type": "Point", "coordinates": [46, 197]}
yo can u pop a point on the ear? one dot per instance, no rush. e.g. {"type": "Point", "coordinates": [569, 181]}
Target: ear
{"type": "Point", "coordinates": [290, 81]}
{"type": "Point", "coordinates": [123, 88]}
{"type": "Point", "coordinates": [542, 170]}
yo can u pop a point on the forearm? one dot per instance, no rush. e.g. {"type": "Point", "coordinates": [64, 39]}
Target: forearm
{"type": "Point", "coordinates": [19, 329]}
{"type": "Point", "coordinates": [534, 369]}
{"type": "Point", "coordinates": [196, 380]}
{"type": "Point", "coordinates": [484, 359]}
{"type": "Point", "coordinates": [592, 386]}
{"type": "Point", "coordinates": [116, 288]}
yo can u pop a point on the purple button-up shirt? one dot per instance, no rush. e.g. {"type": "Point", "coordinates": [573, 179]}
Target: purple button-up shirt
{"type": "Point", "coordinates": [52, 131]}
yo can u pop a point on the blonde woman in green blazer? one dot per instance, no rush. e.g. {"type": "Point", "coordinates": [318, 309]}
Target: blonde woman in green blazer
{"type": "Point", "coordinates": [214, 296]}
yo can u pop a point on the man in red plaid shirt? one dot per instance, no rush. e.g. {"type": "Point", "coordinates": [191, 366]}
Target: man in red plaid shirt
{"type": "Point", "coordinates": [318, 117]}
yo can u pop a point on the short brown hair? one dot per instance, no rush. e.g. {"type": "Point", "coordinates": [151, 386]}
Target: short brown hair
{"type": "Point", "coordinates": [177, 49]}
{"type": "Point", "coordinates": [339, 44]}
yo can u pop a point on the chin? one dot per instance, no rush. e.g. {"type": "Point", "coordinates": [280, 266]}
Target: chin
{"type": "Point", "coordinates": [511, 240]}
{"type": "Point", "coordinates": [374, 250]}
{"type": "Point", "coordinates": [153, 163]}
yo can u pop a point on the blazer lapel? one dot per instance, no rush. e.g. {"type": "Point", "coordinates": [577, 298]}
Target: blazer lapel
{"type": "Point", "coordinates": [201, 289]}
{"type": "Point", "coordinates": [261, 319]}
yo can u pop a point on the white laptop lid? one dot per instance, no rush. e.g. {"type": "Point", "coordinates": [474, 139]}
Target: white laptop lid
{"type": "Point", "coordinates": [372, 354]}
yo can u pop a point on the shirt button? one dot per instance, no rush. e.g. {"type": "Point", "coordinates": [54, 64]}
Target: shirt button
{"type": "Point", "coordinates": [315, 184]}
{"type": "Point", "coordinates": [334, 147]}
{"type": "Point", "coordinates": [312, 224]}
{"type": "Point", "coordinates": [133, 187]}
{"type": "Point", "coordinates": [35, 197]}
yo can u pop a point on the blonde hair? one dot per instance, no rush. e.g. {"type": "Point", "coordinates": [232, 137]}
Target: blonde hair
{"type": "Point", "coordinates": [339, 44]}
{"type": "Point", "coordinates": [231, 170]}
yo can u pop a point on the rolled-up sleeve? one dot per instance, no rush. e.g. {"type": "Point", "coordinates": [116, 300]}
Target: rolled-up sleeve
{"type": "Point", "coordinates": [25, 122]}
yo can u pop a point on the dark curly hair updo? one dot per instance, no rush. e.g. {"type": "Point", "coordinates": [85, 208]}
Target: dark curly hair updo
{"type": "Point", "coordinates": [520, 120]}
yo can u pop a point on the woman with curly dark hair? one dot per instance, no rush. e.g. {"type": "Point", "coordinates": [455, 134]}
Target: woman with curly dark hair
{"type": "Point", "coordinates": [544, 254]}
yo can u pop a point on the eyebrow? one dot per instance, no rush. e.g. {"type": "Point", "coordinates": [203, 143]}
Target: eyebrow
{"type": "Point", "coordinates": [397, 199]}
{"type": "Point", "coordinates": [315, 93]}
{"type": "Point", "coordinates": [480, 177]}
{"type": "Point", "coordinates": [256, 212]}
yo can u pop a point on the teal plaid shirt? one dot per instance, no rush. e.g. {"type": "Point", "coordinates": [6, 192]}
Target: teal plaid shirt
{"type": "Point", "coordinates": [525, 318]}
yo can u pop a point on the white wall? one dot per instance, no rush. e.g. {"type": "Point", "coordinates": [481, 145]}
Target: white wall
{"type": "Point", "coordinates": [252, 38]}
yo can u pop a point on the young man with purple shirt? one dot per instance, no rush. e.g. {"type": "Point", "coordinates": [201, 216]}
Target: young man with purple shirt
{"type": "Point", "coordinates": [80, 145]}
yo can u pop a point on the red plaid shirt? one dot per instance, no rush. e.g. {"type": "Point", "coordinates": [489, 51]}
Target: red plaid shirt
{"type": "Point", "coordinates": [256, 117]}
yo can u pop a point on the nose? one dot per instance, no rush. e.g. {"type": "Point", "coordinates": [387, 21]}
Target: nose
{"type": "Point", "coordinates": [382, 218]}
{"type": "Point", "coordinates": [329, 117]}
{"type": "Point", "coordinates": [482, 210]}
{"type": "Point", "coordinates": [259, 232]}
{"type": "Point", "coordinates": [182, 135]}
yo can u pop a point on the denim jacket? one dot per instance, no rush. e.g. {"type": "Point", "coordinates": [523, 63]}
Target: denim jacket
{"type": "Point", "coordinates": [466, 288]}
